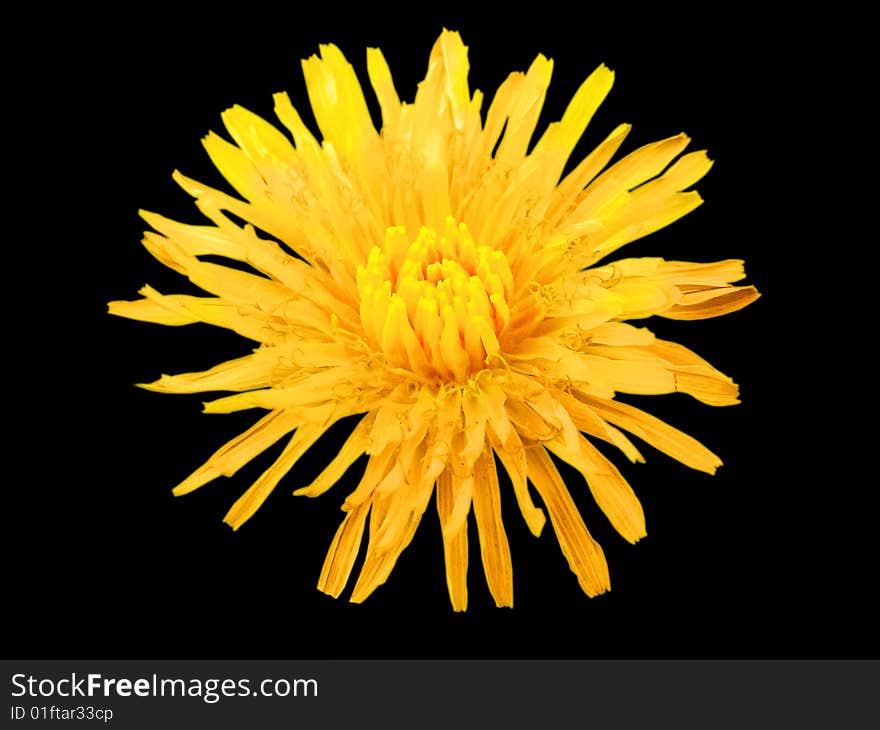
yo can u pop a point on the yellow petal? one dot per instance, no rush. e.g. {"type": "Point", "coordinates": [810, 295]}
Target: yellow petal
{"type": "Point", "coordinates": [610, 490]}
{"type": "Point", "coordinates": [236, 287]}
{"type": "Point", "coordinates": [583, 554]}
{"type": "Point", "coordinates": [235, 166]}
{"type": "Point", "coordinates": [660, 435]}
{"type": "Point", "coordinates": [634, 169]}
{"type": "Point", "coordinates": [560, 138]}
{"type": "Point", "coordinates": [355, 445]}
{"type": "Point", "coordinates": [378, 564]}
{"type": "Point", "coordinates": [268, 149]}
{"type": "Point", "coordinates": [513, 457]}
{"type": "Point", "coordinates": [148, 310]}
{"type": "Point", "coordinates": [565, 195]}
{"type": "Point", "coordinates": [196, 240]}
{"type": "Point", "coordinates": [338, 101]}
{"type": "Point", "coordinates": [326, 386]}
{"type": "Point", "coordinates": [702, 305]}
{"type": "Point", "coordinates": [476, 412]}
{"type": "Point", "coordinates": [244, 373]}
{"type": "Point", "coordinates": [637, 221]}
{"type": "Point", "coordinates": [524, 112]}
{"type": "Point", "coordinates": [383, 85]}
{"type": "Point", "coordinates": [250, 501]}
{"type": "Point", "coordinates": [590, 423]}
{"type": "Point", "coordinates": [238, 452]}
{"type": "Point", "coordinates": [455, 546]}
{"type": "Point", "coordinates": [377, 469]}
{"type": "Point", "coordinates": [494, 548]}
{"type": "Point", "coordinates": [343, 552]}
{"type": "Point", "coordinates": [455, 64]}
{"type": "Point", "coordinates": [621, 334]}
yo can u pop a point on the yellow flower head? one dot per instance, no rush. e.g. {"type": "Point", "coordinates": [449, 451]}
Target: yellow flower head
{"type": "Point", "coordinates": [443, 281]}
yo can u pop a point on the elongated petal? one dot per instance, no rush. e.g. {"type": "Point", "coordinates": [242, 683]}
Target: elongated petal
{"type": "Point", "coordinates": [525, 112]}
{"type": "Point", "coordinates": [251, 500]}
{"type": "Point", "coordinates": [183, 309]}
{"type": "Point", "coordinates": [702, 305]}
{"type": "Point", "coordinates": [513, 457]}
{"type": "Point", "coordinates": [590, 423]}
{"type": "Point", "coordinates": [455, 64]}
{"type": "Point", "coordinates": [338, 101]}
{"type": "Point", "coordinates": [238, 452]}
{"type": "Point", "coordinates": [634, 169]}
{"type": "Point", "coordinates": [660, 435]}
{"type": "Point", "coordinates": [383, 85]}
{"type": "Point", "coordinates": [494, 548]}
{"type": "Point", "coordinates": [560, 138]}
{"type": "Point", "coordinates": [379, 564]}
{"type": "Point", "coordinates": [454, 529]}
{"type": "Point", "coordinates": [377, 469]}
{"type": "Point", "coordinates": [610, 490]}
{"type": "Point", "coordinates": [343, 552]}
{"type": "Point", "coordinates": [355, 445]}
{"type": "Point", "coordinates": [584, 556]}
{"type": "Point", "coordinates": [148, 310]}
{"type": "Point", "coordinates": [245, 373]}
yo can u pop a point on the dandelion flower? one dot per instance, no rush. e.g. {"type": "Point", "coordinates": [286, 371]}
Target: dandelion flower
{"type": "Point", "coordinates": [444, 281]}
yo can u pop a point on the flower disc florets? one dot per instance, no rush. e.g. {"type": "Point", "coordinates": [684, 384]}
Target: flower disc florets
{"type": "Point", "coordinates": [438, 306]}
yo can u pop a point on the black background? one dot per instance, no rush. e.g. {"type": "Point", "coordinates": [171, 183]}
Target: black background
{"type": "Point", "coordinates": [774, 556]}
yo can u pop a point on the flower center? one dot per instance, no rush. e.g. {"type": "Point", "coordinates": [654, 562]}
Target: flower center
{"type": "Point", "coordinates": [435, 306]}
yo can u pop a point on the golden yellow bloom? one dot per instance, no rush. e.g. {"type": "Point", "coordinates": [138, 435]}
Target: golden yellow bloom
{"type": "Point", "coordinates": [446, 286]}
